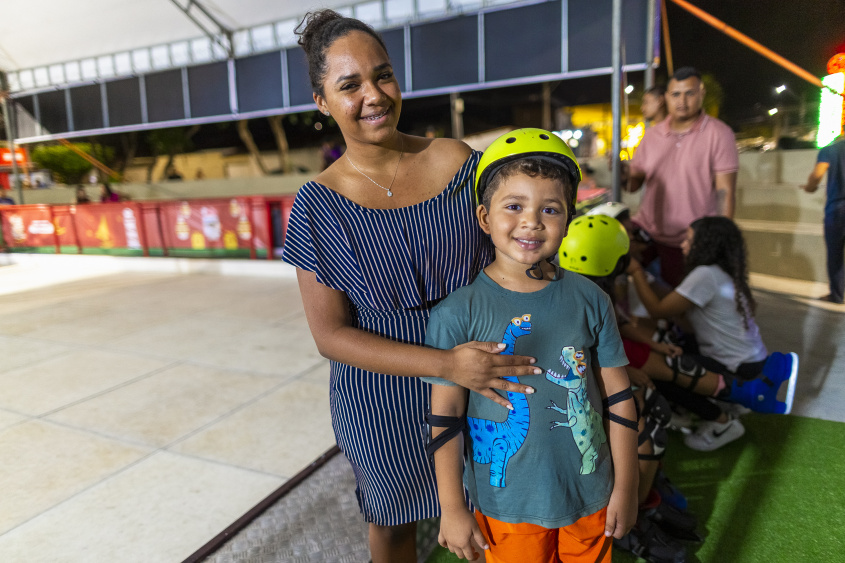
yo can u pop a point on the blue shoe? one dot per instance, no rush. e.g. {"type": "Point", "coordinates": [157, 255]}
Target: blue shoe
{"type": "Point", "coordinates": [760, 394]}
{"type": "Point", "coordinates": [779, 368]}
{"type": "Point", "coordinates": [667, 490]}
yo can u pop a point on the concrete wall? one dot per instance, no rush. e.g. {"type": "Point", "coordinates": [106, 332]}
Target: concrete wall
{"type": "Point", "coordinates": [225, 174]}
{"type": "Point", "coordinates": [782, 224]}
{"type": "Point", "coordinates": [224, 187]}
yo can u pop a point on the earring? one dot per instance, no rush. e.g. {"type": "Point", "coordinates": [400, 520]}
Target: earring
{"type": "Point", "coordinates": [327, 112]}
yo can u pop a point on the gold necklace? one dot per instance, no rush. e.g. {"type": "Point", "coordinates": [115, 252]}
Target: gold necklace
{"type": "Point", "coordinates": [387, 189]}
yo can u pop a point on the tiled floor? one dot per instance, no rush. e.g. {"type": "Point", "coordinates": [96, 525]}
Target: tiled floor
{"type": "Point", "coordinates": [145, 405]}
{"type": "Point", "coordinates": [141, 413]}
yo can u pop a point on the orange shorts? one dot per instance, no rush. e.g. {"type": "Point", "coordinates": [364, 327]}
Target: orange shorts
{"type": "Point", "coordinates": [580, 542]}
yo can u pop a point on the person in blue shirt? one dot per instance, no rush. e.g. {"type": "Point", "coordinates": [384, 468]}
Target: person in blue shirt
{"type": "Point", "coordinates": [831, 161]}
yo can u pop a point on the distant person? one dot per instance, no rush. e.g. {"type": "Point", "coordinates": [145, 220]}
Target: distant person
{"type": "Point", "coordinates": [653, 106]}
{"type": "Point", "coordinates": [330, 151]}
{"type": "Point", "coordinates": [688, 163]}
{"type": "Point", "coordinates": [172, 174]}
{"type": "Point", "coordinates": [81, 195]}
{"type": "Point", "coordinates": [200, 175]}
{"type": "Point", "coordinates": [831, 161]}
{"type": "Point", "coordinates": [107, 195]}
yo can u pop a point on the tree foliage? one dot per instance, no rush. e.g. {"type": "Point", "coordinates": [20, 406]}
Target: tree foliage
{"type": "Point", "coordinates": [714, 95]}
{"type": "Point", "coordinates": [169, 141]}
{"type": "Point", "coordinates": [67, 166]}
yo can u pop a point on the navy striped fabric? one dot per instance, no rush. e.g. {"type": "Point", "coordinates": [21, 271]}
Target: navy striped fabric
{"type": "Point", "coordinates": [394, 265]}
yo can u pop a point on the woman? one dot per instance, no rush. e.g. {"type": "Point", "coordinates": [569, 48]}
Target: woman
{"type": "Point", "coordinates": [107, 195]}
{"type": "Point", "coordinates": [378, 238]}
{"type": "Point", "coordinates": [81, 195]}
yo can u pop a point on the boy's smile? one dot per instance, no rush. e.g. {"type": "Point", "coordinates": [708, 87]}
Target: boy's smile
{"type": "Point", "coordinates": [527, 221]}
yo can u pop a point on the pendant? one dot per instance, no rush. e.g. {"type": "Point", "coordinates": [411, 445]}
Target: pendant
{"type": "Point", "coordinates": [389, 193]}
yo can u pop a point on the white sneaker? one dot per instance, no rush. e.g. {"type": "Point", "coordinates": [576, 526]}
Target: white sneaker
{"type": "Point", "coordinates": [681, 422]}
{"type": "Point", "coordinates": [732, 409]}
{"type": "Point", "coordinates": [712, 435]}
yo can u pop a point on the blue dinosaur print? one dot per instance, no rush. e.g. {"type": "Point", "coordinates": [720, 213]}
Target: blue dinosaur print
{"type": "Point", "coordinates": [584, 422]}
{"type": "Point", "coordinates": [496, 442]}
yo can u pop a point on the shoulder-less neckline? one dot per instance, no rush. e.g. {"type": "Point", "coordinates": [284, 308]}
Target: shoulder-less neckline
{"type": "Point", "coordinates": [430, 200]}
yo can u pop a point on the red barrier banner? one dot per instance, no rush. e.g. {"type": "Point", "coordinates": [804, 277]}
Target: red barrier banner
{"type": "Point", "coordinates": [207, 224]}
{"type": "Point", "coordinates": [260, 223]}
{"type": "Point", "coordinates": [65, 228]}
{"type": "Point", "coordinates": [287, 206]}
{"type": "Point", "coordinates": [152, 226]}
{"type": "Point", "coordinates": [108, 225]}
{"type": "Point", "coordinates": [233, 224]}
{"type": "Point", "coordinates": [28, 226]}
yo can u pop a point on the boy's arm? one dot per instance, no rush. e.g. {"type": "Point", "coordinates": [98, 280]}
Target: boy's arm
{"type": "Point", "coordinates": [622, 508]}
{"type": "Point", "coordinates": [459, 532]}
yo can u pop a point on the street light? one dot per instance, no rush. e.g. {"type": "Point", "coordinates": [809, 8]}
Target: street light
{"type": "Point", "coordinates": [773, 111]}
{"type": "Point", "coordinates": [629, 88]}
{"type": "Point", "coordinates": [802, 109]}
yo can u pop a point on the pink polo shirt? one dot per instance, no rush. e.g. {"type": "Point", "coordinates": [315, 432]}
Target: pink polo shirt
{"type": "Point", "coordinates": [680, 175]}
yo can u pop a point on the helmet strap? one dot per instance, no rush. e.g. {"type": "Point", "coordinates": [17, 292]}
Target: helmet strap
{"type": "Point", "coordinates": [530, 272]}
{"type": "Point", "coordinates": [536, 266]}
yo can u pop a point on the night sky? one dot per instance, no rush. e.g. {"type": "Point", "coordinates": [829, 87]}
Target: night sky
{"type": "Point", "coordinates": [806, 32]}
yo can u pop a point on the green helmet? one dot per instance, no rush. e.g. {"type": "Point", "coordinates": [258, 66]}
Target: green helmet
{"type": "Point", "coordinates": [595, 245]}
{"type": "Point", "coordinates": [524, 143]}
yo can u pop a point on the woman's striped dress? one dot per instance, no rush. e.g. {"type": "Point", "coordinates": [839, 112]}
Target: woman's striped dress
{"type": "Point", "coordinates": [394, 265]}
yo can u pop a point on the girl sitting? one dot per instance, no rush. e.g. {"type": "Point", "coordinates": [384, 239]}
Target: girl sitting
{"type": "Point", "coordinates": [718, 303]}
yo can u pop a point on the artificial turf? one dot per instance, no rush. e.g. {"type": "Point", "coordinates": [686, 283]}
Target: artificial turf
{"type": "Point", "coordinates": [775, 495]}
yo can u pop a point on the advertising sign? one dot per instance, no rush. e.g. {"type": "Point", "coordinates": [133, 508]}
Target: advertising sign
{"type": "Point", "coordinates": [207, 224]}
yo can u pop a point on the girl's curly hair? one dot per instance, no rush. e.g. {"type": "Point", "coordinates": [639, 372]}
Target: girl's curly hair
{"type": "Point", "coordinates": [717, 240]}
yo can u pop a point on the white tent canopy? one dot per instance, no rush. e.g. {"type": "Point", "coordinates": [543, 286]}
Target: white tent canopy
{"type": "Point", "coordinates": [50, 42]}
{"type": "Point", "coordinates": [44, 32]}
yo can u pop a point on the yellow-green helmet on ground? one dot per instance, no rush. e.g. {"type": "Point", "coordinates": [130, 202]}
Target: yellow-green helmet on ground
{"type": "Point", "coordinates": [594, 246]}
{"type": "Point", "coordinates": [524, 143]}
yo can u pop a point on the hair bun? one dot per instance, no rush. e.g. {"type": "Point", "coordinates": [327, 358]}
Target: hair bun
{"type": "Point", "coordinates": [313, 26]}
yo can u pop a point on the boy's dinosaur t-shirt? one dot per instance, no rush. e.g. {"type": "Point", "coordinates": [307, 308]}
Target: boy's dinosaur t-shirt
{"type": "Point", "coordinates": [546, 462]}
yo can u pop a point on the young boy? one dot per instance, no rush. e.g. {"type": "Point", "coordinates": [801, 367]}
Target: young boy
{"type": "Point", "coordinates": [546, 484]}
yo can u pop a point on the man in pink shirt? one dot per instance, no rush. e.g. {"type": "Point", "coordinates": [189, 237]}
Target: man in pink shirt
{"type": "Point", "coordinates": [688, 163]}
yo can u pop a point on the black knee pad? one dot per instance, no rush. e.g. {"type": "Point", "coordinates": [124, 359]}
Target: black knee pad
{"type": "Point", "coordinates": [657, 434]}
{"type": "Point", "coordinates": [657, 407]}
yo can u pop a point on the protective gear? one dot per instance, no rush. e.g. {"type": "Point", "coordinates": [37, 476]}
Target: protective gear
{"type": "Point", "coordinates": [454, 425]}
{"type": "Point", "coordinates": [595, 246]}
{"type": "Point", "coordinates": [525, 143]}
{"type": "Point", "coordinates": [648, 541]}
{"type": "Point", "coordinates": [657, 413]}
{"type": "Point", "coordinates": [669, 492]}
{"type": "Point", "coordinates": [678, 524]}
{"type": "Point", "coordinates": [623, 395]}
{"type": "Point", "coordinates": [610, 209]}
{"type": "Point", "coordinates": [686, 365]}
